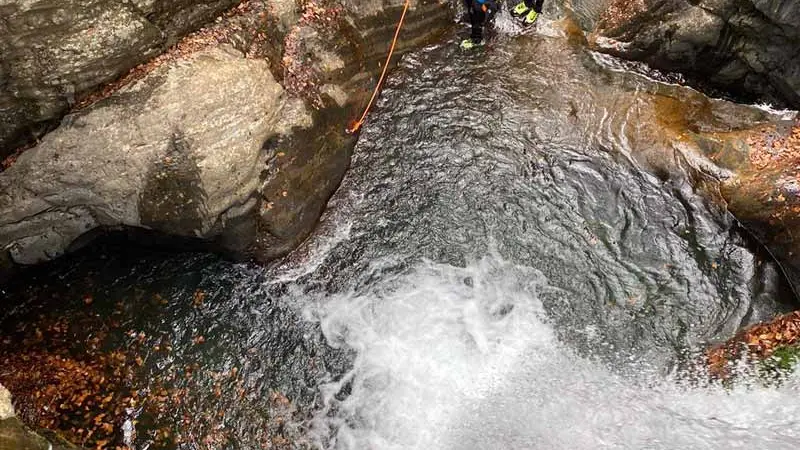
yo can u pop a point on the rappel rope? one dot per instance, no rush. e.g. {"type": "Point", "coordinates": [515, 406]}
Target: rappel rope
{"type": "Point", "coordinates": [357, 125]}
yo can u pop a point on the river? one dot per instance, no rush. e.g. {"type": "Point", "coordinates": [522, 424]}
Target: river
{"type": "Point", "coordinates": [497, 270]}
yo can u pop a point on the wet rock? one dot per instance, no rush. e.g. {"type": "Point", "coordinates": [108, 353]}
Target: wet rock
{"type": "Point", "coordinates": [239, 145]}
{"type": "Point", "coordinates": [6, 408]}
{"type": "Point", "coordinates": [750, 169]}
{"type": "Point", "coordinates": [746, 47]}
{"type": "Point", "coordinates": [331, 56]}
{"type": "Point", "coordinates": [764, 194]}
{"type": "Point", "coordinates": [55, 51]}
{"type": "Point", "coordinates": [744, 159]}
{"type": "Point", "coordinates": [177, 152]}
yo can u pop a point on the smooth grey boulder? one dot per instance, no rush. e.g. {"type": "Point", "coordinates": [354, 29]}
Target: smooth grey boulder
{"type": "Point", "coordinates": [239, 146]}
{"type": "Point", "coordinates": [54, 51]}
{"type": "Point", "coordinates": [178, 152]}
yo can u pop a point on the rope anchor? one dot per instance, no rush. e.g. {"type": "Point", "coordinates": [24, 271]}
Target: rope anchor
{"type": "Point", "coordinates": [355, 126]}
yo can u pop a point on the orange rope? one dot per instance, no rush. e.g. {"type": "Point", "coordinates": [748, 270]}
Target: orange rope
{"type": "Point", "coordinates": [355, 126]}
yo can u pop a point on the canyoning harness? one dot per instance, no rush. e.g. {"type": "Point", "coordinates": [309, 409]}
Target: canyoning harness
{"type": "Point", "coordinates": [487, 6]}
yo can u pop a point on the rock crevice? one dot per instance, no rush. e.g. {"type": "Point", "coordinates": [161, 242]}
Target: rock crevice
{"type": "Point", "coordinates": [746, 47]}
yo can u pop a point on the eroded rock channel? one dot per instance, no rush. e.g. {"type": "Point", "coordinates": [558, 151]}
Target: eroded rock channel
{"type": "Point", "coordinates": [525, 251]}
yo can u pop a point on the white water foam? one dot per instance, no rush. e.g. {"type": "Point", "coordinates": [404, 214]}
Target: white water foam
{"type": "Point", "coordinates": [463, 358]}
{"type": "Point", "coordinates": [781, 114]}
{"type": "Point", "coordinates": [506, 24]}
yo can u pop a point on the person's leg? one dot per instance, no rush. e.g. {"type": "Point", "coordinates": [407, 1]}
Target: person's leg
{"type": "Point", "coordinates": [537, 5]}
{"type": "Point", "coordinates": [478, 19]}
{"type": "Point", "coordinates": [493, 8]}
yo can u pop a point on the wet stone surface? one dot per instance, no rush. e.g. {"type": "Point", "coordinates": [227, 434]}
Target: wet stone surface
{"type": "Point", "coordinates": [499, 268]}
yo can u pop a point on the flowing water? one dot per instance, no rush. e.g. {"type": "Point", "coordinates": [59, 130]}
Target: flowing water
{"type": "Point", "coordinates": [497, 271]}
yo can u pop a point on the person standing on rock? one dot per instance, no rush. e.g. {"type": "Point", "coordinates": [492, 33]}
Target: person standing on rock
{"type": "Point", "coordinates": [481, 12]}
{"type": "Point", "coordinates": [529, 10]}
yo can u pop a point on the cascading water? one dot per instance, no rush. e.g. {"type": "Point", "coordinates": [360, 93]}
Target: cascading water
{"type": "Point", "coordinates": [464, 358]}
{"type": "Point", "coordinates": [496, 271]}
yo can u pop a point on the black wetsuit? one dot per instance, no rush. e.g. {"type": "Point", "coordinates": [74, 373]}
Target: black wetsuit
{"type": "Point", "coordinates": [535, 4]}
{"type": "Point", "coordinates": [481, 12]}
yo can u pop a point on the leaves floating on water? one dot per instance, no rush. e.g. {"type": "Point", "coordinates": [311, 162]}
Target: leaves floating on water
{"type": "Point", "coordinates": [198, 297]}
{"type": "Point", "coordinates": [56, 386]}
{"type": "Point", "coordinates": [88, 379]}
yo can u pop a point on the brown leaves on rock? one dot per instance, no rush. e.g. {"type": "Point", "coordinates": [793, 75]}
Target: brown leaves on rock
{"type": "Point", "coordinates": [319, 12]}
{"type": "Point", "coordinates": [755, 343]}
{"type": "Point", "coordinates": [772, 179]}
{"type": "Point", "coordinates": [12, 158]}
{"type": "Point", "coordinates": [300, 76]}
{"type": "Point", "coordinates": [619, 13]}
{"type": "Point", "coordinates": [197, 298]}
{"type": "Point", "coordinates": [768, 148]}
